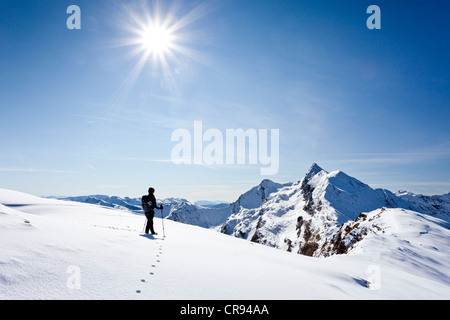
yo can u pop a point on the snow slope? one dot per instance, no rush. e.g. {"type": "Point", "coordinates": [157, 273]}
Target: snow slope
{"type": "Point", "coordinates": [52, 249]}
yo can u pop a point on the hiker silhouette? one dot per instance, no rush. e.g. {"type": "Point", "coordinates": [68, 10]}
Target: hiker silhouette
{"type": "Point", "coordinates": [149, 205]}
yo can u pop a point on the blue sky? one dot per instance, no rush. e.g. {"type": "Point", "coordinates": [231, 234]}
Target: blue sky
{"type": "Point", "coordinates": [76, 117]}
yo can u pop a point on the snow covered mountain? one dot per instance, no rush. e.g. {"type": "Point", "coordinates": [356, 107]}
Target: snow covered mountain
{"type": "Point", "coordinates": [305, 217]}
{"type": "Point", "coordinates": [302, 217]}
{"type": "Point", "coordinates": [214, 217]}
{"type": "Point", "coordinates": [437, 205]}
{"type": "Point", "coordinates": [52, 249]}
{"type": "Point", "coordinates": [204, 214]}
{"type": "Point", "coordinates": [194, 214]}
{"type": "Point", "coordinates": [126, 203]}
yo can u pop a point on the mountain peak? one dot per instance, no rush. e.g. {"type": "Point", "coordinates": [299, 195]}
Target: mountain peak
{"type": "Point", "coordinates": [315, 169]}
{"type": "Point", "coordinates": [403, 192]}
{"type": "Point", "coordinates": [266, 182]}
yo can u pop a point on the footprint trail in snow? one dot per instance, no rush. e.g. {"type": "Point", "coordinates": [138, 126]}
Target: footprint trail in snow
{"type": "Point", "coordinates": [147, 280]}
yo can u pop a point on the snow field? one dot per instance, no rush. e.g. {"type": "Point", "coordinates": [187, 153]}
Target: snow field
{"type": "Point", "coordinates": [53, 249]}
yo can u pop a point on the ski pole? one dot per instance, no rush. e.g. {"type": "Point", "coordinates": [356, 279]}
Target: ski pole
{"type": "Point", "coordinates": [162, 220]}
{"type": "Point", "coordinates": [145, 223]}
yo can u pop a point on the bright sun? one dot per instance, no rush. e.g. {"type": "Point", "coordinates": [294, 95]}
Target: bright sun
{"type": "Point", "coordinates": [158, 36]}
{"type": "Point", "coordinates": [156, 39]}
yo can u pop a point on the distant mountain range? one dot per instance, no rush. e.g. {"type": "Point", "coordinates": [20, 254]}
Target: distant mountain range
{"type": "Point", "coordinates": [306, 217]}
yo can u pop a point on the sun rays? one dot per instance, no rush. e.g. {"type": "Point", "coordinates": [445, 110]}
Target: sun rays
{"type": "Point", "coordinates": [159, 40]}
{"type": "Point", "coordinates": [159, 37]}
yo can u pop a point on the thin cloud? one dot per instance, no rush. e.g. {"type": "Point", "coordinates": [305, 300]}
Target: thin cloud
{"type": "Point", "coordinates": [389, 158]}
{"type": "Point", "coordinates": [32, 170]}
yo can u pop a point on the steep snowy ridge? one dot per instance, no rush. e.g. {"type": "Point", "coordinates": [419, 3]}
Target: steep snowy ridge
{"type": "Point", "coordinates": [191, 213]}
{"type": "Point", "coordinates": [352, 232]}
{"type": "Point", "coordinates": [436, 205]}
{"type": "Point", "coordinates": [256, 196]}
{"type": "Point", "coordinates": [214, 217]}
{"type": "Point", "coordinates": [248, 205]}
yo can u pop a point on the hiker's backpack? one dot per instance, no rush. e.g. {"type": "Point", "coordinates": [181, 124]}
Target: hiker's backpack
{"type": "Point", "coordinates": [146, 205]}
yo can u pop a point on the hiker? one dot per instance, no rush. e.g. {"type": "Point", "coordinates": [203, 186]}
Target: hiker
{"type": "Point", "coordinates": [148, 205]}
